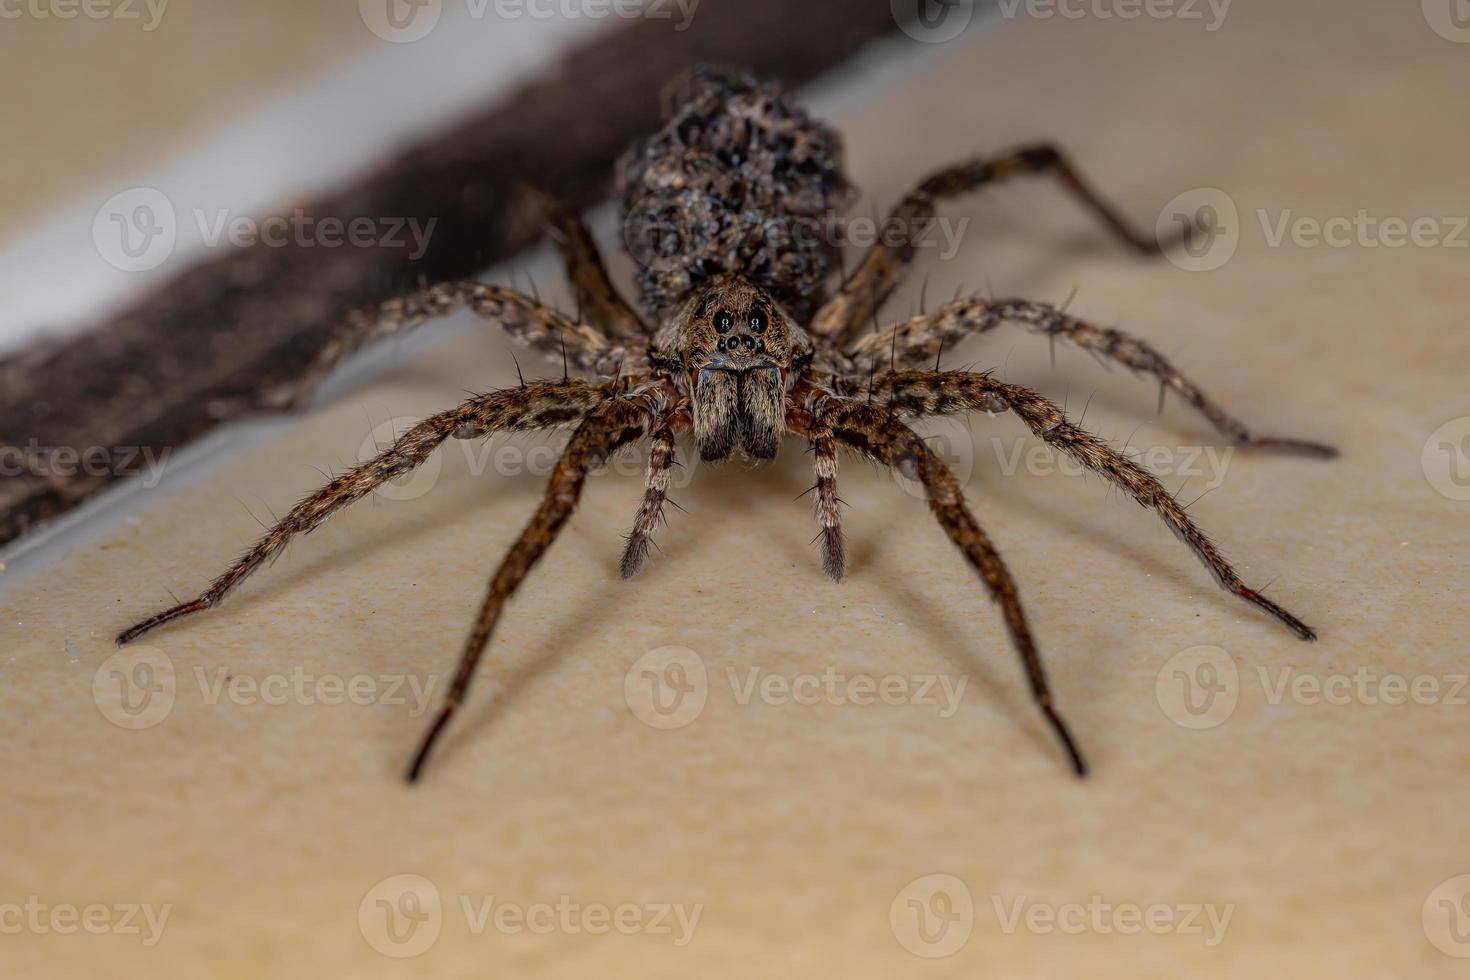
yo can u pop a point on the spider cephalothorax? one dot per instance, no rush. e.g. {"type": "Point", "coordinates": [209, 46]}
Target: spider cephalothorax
{"type": "Point", "coordinates": [747, 345]}
{"type": "Point", "coordinates": [734, 353]}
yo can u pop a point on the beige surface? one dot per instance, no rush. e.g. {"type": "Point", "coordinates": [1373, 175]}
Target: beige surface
{"type": "Point", "coordinates": [1323, 827]}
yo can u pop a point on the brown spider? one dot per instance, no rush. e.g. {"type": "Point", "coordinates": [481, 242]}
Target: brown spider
{"type": "Point", "coordinates": [748, 350]}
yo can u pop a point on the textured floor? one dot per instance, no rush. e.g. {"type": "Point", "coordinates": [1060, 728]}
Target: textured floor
{"type": "Point", "coordinates": [1259, 806]}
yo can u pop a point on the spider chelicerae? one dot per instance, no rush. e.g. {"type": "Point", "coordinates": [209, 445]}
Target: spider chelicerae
{"type": "Point", "coordinates": [744, 346]}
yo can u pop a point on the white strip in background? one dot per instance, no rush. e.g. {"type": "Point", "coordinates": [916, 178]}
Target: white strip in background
{"type": "Point", "coordinates": [109, 245]}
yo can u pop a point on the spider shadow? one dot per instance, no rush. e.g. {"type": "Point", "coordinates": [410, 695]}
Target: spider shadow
{"type": "Point", "coordinates": [515, 682]}
{"type": "Point", "coordinates": [1106, 535]}
{"type": "Point", "coordinates": [725, 497]}
{"type": "Point", "coordinates": [1106, 538]}
{"type": "Point", "coordinates": [942, 625]}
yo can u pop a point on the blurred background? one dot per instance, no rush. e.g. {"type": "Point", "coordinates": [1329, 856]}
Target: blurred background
{"type": "Point", "coordinates": [195, 193]}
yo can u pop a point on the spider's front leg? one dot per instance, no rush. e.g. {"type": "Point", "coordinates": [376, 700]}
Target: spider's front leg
{"type": "Point", "coordinates": [828, 504]}
{"type": "Point", "coordinates": [922, 338]}
{"type": "Point", "coordinates": [662, 458]}
{"type": "Point", "coordinates": [849, 312]}
{"type": "Point", "coordinates": [614, 424]}
{"type": "Point", "coordinates": [523, 317]}
{"type": "Point", "coordinates": [879, 435]}
{"type": "Point", "coordinates": [539, 405]}
{"type": "Point", "coordinates": [921, 393]}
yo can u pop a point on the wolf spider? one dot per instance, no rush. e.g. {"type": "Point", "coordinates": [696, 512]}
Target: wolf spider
{"type": "Point", "coordinates": [746, 349]}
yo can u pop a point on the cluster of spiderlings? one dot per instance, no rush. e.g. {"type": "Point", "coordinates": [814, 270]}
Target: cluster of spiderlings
{"type": "Point", "coordinates": [738, 180]}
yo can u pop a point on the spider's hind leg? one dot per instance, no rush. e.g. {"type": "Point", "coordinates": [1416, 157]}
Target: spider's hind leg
{"type": "Point", "coordinates": [616, 423]}
{"type": "Point", "coordinates": [881, 436]}
{"type": "Point", "coordinates": [538, 405]}
{"type": "Point", "coordinates": [597, 297]}
{"type": "Point", "coordinates": [921, 338]}
{"type": "Point", "coordinates": [523, 317]}
{"type": "Point", "coordinates": [848, 313]}
{"type": "Point", "coordinates": [920, 393]}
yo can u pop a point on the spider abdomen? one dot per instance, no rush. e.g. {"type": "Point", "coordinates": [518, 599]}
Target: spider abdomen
{"type": "Point", "coordinates": [739, 180]}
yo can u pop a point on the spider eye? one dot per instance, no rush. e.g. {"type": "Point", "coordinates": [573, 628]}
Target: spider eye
{"type": "Point", "coordinates": [724, 321]}
{"type": "Point", "coordinates": [757, 322]}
